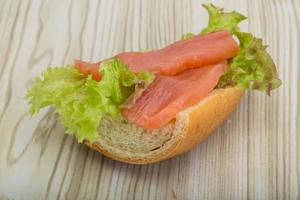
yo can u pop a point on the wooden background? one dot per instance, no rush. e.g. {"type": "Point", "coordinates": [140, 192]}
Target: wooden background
{"type": "Point", "coordinates": [254, 155]}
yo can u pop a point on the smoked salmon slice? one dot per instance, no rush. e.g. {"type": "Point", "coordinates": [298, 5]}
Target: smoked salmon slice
{"type": "Point", "coordinates": [182, 55]}
{"type": "Point", "coordinates": [88, 69]}
{"type": "Point", "coordinates": [175, 58]}
{"type": "Point", "coordinates": [168, 95]}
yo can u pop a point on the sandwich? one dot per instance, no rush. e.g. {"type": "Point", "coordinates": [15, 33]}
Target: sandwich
{"type": "Point", "coordinates": [148, 106]}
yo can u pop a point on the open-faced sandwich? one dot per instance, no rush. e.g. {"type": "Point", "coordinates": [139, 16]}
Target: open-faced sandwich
{"type": "Point", "coordinates": [143, 107]}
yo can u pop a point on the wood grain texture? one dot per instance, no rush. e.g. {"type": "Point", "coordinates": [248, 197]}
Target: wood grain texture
{"type": "Point", "coordinates": [254, 155]}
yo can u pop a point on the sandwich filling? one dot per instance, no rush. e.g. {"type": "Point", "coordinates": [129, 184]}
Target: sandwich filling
{"type": "Point", "coordinates": [149, 89]}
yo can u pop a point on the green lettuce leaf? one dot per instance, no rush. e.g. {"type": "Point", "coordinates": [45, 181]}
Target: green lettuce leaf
{"type": "Point", "coordinates": [82, 102]}
{"type": "Point", "coordinates": [253, 67]}
{"type": "Point", "coordinates": [187, 36]}
{"type": "Point", "coordinates": [219, 20]}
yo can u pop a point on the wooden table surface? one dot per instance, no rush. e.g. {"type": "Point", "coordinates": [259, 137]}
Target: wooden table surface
{"type": "Point", "coordinates": [254, 155]}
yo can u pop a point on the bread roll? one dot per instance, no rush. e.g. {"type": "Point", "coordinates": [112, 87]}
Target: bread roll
{"type": "Point", "coordinates": [123, 141]}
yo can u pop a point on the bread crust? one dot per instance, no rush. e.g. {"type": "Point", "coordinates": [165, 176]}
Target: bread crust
{"type": "Point", "coordinates": [196, 124]}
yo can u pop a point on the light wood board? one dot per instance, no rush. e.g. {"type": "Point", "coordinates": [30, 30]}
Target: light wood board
{"type": "Point", "coordinates": [254, 155]}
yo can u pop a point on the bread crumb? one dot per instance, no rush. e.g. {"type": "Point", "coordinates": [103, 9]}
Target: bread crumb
{"type": "Point", "coordinates": [174, 195]}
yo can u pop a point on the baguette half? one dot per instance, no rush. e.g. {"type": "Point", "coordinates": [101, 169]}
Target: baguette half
{"type": "Point", "coordinates": [127, 143]}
